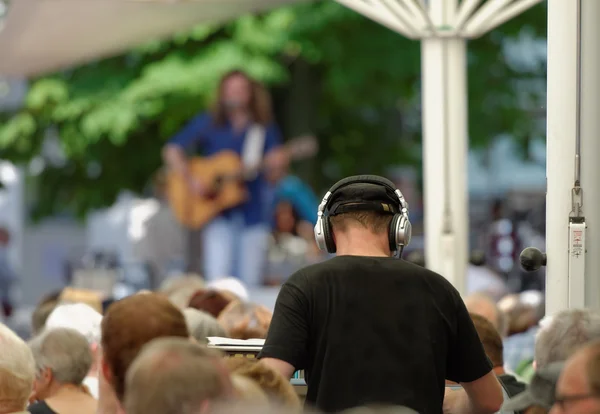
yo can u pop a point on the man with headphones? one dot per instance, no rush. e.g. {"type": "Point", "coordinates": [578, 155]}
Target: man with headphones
{"type": "Point", "coordinates": [369, 329]}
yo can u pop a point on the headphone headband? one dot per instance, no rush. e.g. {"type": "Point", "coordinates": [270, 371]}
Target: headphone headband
{"type": "Point", "coordinates": [364, 179]}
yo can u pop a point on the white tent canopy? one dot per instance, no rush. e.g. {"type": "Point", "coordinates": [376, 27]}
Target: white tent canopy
{"type": "Point", "coordinates": [38, 36]}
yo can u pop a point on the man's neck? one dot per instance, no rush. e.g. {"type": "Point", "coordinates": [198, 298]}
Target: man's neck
{"type": "Point", "coordinates": [499, 371]}
{"type": "Point", "coordinates": [361, 242]}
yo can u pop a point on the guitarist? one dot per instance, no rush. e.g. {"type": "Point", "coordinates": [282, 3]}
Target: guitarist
{"type": "Point", "coordinates": [236, 242]}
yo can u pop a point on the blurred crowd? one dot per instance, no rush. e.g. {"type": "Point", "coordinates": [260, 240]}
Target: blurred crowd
{"type": "Point", "coordinates": [155, 352]}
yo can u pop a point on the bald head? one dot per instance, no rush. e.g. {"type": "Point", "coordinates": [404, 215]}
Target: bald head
{"type": "Point", "coordinates": [483, 305]}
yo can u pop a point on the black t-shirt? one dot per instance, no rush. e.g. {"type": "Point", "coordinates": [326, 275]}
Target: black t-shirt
{"type": "Point", "coordinates": [374, 330]}
{"type": "Point", "coordinates": [40, 407]}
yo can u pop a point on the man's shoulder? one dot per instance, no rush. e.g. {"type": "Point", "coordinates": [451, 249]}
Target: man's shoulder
{"type": "Point", "coordinates": [343, 264]}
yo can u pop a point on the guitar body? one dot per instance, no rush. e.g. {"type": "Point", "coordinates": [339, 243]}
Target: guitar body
{"type": "Point", "coordinates": [194, 211]}
{"type": "Point", "coordinates": [223, 173]}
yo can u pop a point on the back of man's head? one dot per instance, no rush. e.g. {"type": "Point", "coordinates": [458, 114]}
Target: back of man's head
{"type": "Point", "coordinates": [363, 197]}
{"type": "Point", "coordinates": [484, 305]}
{"type": "Point", "coordinates": [490, 338]}
{"type": "Point", "coordinates": [79, 317]}
{"type": "Point", "coordinates": [65, 352]}
{"type": "Point", "coordinates": [131, 323]}
{"type": "Point", "coordinates": [175, 376]}
{"type": "Point", "coordinates": [561, 335]}
{"type": "Point", "coordinates": [17, 371]}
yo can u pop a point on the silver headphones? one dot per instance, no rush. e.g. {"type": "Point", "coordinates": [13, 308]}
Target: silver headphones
{"type": "Point", "coordinates": [400, 227]}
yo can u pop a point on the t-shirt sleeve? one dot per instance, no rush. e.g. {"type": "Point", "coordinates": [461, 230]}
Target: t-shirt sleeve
{"type": "Point", "coordinates": [467, 360]}
{"type": "Point", "coordinates": [193, 133]}
{"type": "Point", "coordinates": [287, 338]}
{"type": "Point", "coordinates": [272, 137]}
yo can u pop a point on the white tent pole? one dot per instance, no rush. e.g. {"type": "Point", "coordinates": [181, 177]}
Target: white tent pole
{"type": "Point", "coordinates": [481, 17]}
{"type": "Point", "coordinates": [444, 98]}
{"type": "Point", "coordinates": [590, 148]}
{"type": "Point", "coordinates": [505, 15]}
{"type": "Point", "coordinates": [568, 117]}
{"type": "Point", "coordinates": [382, 18]}
{"type": "Point", "coordinates": [464, 12]}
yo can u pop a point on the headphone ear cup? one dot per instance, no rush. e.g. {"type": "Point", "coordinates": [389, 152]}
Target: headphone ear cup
{"type": "Point", "coordinates": [393, 232]}
{"type": "Point", "coordinates": [328, 235]}
{"type": "Point", "coordinates": [400, 231]}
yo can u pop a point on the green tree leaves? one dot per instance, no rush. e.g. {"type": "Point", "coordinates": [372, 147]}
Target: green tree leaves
{"type": "Point", "coordinates": [350, 81]}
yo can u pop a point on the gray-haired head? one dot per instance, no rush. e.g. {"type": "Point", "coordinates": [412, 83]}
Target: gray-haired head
{"type": "Point", "coordinates": [180, 288]}
{"type": "Point", "coordinates": [561, 335]}
{"type": "Point", "coordinates": [202, 325]}
{"type": "Point", "coordinates": [17, 371]}
{"type": "Point", "coordinates": [541, 390]}
{"type": "Point", "coordinates": [65, 352]}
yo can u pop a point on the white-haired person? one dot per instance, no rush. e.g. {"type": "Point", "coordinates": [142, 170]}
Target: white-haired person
{"type": "Point", "coordinates": [17, 372]}
{"type": "Point", "coordinates": [62, 360]}
{"type": "Point", "coordinates": [87, 321]}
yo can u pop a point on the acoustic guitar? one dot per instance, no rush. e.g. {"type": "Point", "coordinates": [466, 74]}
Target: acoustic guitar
{"type": "Point", "coordinates": [223, 174]}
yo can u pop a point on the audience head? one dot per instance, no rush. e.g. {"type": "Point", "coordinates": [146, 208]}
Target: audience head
{"type": "Point", "coordinates": [523, 310]}
{"type": "Point", "coordinates": [491, 340]}
{"type": "Point", "coordinates": [78, 295]}
{"type": "Point", "coordinates": [278, 389]}
{"type": "Point", "coordinates": [131, 323]}
{"type": "Point", "coordinates": [180, 289]}
{"type": "Point", "coordinates": [62, 357]}
{"type": "Point", "coordinates": [176, 376]}
{"type": "Point", "coordinates": [245, 320]}
{"type": "Point", "coordinates": [43, 310]}
{"type": "Point", "coordinates": [79, 317]}
{"type": "Point", "coordinates": [561, 335]}
{"type": "Point", "coordinates": [484, 305]}
{"type": "Point", "coordinates": [231, 285]}
{"type": "Point", "coordinates": [578, 388]}
{"type": "Point", "coordinates": [248, 391]}
{"type": "Point", "coordinates": [17, 372]}
{"type": "Point", "coordinates": [202, 325]}
{"type": "Point", "coordinates": [211, 301]}
{"type": "Point", "coordinates": [540, 392]}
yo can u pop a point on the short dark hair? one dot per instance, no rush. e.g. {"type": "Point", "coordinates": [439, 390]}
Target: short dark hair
{"type": "Point", "coordinates": [375, 221]}
{"type": "Point", "coordinates": [490, 338]}
{"type": "Point", "coordinates": [131, 323]}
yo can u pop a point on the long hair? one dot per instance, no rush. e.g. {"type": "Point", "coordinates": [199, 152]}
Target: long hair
{"type": "Point", "coordinates": [260, 100]}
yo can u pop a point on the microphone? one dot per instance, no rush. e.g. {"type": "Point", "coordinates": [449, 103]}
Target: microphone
{"type": "Point", "coordinates": [532, 259]}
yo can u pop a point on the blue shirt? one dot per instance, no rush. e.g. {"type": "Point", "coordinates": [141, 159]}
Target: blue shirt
{"type": "Point", "coordinates": [202, 135]}
{"type": "Point", "coordinates": [300, 196]}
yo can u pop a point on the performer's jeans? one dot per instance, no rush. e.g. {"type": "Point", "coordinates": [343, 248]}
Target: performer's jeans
{"type": "Point", "coordinates": [232, 249]}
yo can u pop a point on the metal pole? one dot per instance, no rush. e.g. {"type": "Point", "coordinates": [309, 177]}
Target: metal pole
{"type": "Point", "coordinates": [572, 145]}
{"type": "Point", "coordinates": [445, 142]}
{"type": "Point", "coordinates": [589, 130]}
